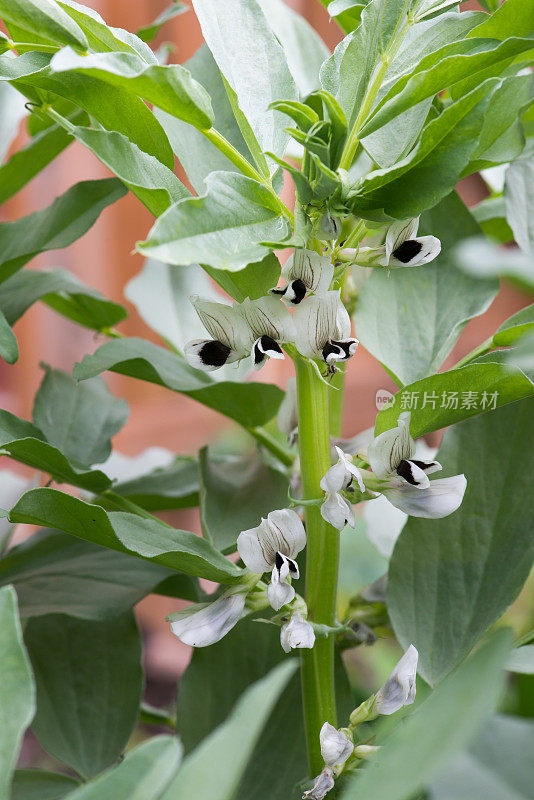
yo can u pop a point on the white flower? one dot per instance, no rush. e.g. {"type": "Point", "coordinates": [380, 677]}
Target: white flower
{"type": "Point", "coordinates": [340, 475]}
{"type": "Point", "coordinates": [270, 323]}
{"type": "Point", "coordinates": [402, 248]}
{"type": "Point", "coordinates": [273, 545]}
{"type": "Point", "coordinates": [406, 483]}
{"type": "Point", "coordinates": [230, 336]}
{"type": "Point", "coordinates": [337, 511]}
{"type": "Point", "coordinates": [335, 746]}
{"type": "Point", "coordinates": [323, 328]}
{"type": "Point", "coordinates": [399, 689]}
{"type": "Point", "coordinates": [288, 417]}
{"type": "Point", "coordinates": [305, 271]}
{"type": "Point", "coordinates": [297, 633]}
{"type": "Point", "coordinates": [323, 783]}
{"type": "Point", "coordinates": [202, 624]}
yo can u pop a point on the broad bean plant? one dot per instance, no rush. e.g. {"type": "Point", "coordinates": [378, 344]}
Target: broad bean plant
{"type": "Point", "coordinates": [342, 167]}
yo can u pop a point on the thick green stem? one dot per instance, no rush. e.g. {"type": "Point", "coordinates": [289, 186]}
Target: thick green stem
{"type": "Point", "coordinates": [322, 556]}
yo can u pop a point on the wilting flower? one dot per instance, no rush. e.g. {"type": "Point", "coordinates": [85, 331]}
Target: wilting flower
{"type": "Point", "coordinates": [273, 545]}
{"type": "Point", "coordinates": [402, 248]}
{"type": "Point", "coordinates": [322, 785]}
{"type": "Point", "coordinates": [230, 336]}
{"type": "Point", "coordinates": [337, 511]}
{"type": "Point", "coordinates": [405, 479]}
{"type": "Point", "coordinates": [399, 689]}
{"type": "Point", "coordinates": [297, 633]}
{"type": "Point", "coordinates": [305, 271]}
{"type": "Point", "coordinates": [202, 624]}
{"type": "Point", "coordinates": [288, 417]}
{"type": "Point", "coordinates": [323, 329]}
{"type": "Point", "coordinates": [340, 475]}
{"type": "Point", "coordinates": [336, 747]}
{"type": "Point", "coordinates": [270, 324]}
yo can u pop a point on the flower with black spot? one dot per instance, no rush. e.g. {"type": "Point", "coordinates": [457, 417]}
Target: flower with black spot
{"type": "Point", "coordinates": [229, 332]}
{"type": "Point", "coordinates": [323, 329]}
{"type": "Point", "coordinates": [270, 324]}
{"type": "Point", "coordinates": [306, 272]}
{"type": "Point", "coordinates": [402, 248]}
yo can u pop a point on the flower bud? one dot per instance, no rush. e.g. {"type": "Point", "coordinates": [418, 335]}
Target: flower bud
{"type": "Point", "coordinates": [336, 746]}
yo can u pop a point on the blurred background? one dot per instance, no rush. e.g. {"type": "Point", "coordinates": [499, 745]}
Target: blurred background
{"type": "Point", "coordinates": [103, 259]}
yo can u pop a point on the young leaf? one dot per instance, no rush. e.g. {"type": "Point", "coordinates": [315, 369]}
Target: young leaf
{"type": "Point", "coordinates": [222, 229]}
{"type": "Point", "coordinates": [437, 730]}
{"type": "Point", "coordinates": [143, 775]}
{"type": "Point", "coordinates": [17, 692]}
{"type": "Point", "coordinates": [149, 32]}
{"type": "Point", "coordinates": [512, 18]}
{"type": "Point", "coordinates": [63, 292]}
{"type": "Point", "coordinates": [519, 199]}
{"type": "Point", "coordinates": [9, 349]}
{"type": "Point", "coordinates": [44, 18]}
{"type": "Point", "coordinates": [256, 71]}
{"type": "Point", "coordinates": [78, 418]}
{"type": "Point", "coordinates": [446, 583]}
{"type": "Point", "coordinates": [514, 328]}
{"type": "Point", "coordinates": [33, 784]}
{"type": "Point", "coordinates": [229, 748]}
{"type": "Point", "coordinates": [86, 707]}
{"type": "Point", "coordinates": [66, 220]}
{"type": "Point", "coordinates": [127, 533]}
{"type": "Point", "coordinates": [56, 574]}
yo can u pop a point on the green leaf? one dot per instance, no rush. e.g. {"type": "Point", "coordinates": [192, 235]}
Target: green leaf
{"type": "Point", "coordinates": [411, 319]}
{"type": "Point", "coordinates": [149, 32]}
{"type": "Point", "coordinates": [235, 494]}
{"type": "Point", "coordinates": [446, 584]}
{"type": "Point", "coordinates": [113, 107]}
{"type": "Point", "coordinates": [513, 18]}
{"type": "Point", "coordinates": [456, 395]}
{"type": "Point", "coordinates": [24, 442]}
{"type": "Point", "coordinates": [33, 784]}
{"type": "Point", "coordinates": [66, 220]}
{"type": "Point", "coordinates": [127, 533]}
{"type": "Point", "coordinates": [253, 281]}
{"type": "Point", "coordinates": [17, 692]}
{"type": "Point", "coordinates": [173, 486]}
{"type": "Point", "coordinates": [231, 745]}
{"type": "Point", "coordinates": [514, 328]}
{"type": "Point", "coordinates": [433, 167]}
{"type": "Point", "coordinates": [519, 199]}
{"type": "Point", "coordinates": [211, 686]}
{"type": "Point", "coordinates": [491, 216]}
{"type": "Point", "coordinates": [496, 766]}
{"type": "Point", "coordinates": [87, 698]}
{"type": "Point", "coordinates": [443, 724]}
{"type": "Point", "coordinates": [61, 291]}
{"type": "Point", "coordinates": [256, 75]}
{"type": "Point", "coordinates": [247, 403]}
{"type": "Point", "coordinates": [78, 418]}
{"type": "Point", "coordinates": [54, 573]}
{"type": "Point", "coordinates": [197, 155]}
{"type": "Point", "coordinates": [44, 18]}
{"type": "Point", "coordinates": [483, 259]}
{"type": "Point", "coordinates": [169, 87]}
{"type": "Point", "coordinates": [223, 228]}
{"type": "Point", "coordinates": [12, 486]}
{"type": "Point", "coordinates": [522, 660]}
{"type": "Point", "coordinates": [477, 59]}
{"type": "Point", "coordinates": [143, 775]}
{"type": "Point", "coordinates": [9, 349]}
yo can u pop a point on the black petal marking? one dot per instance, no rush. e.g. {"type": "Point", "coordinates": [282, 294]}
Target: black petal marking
{"type": "Point", "coordinates": [267, 345]}
{"type": "Point", "coordinates": [424, 465]}
{"type": "Point", "coordinates": [293, 567]}
{"type": "Point", "coordinates": [407, 251]}
{"type": "Point", "coordinates": [298, 291]}
{"type": "Point", "coordinates": [333, 352]}
{"type": "Point", "coordinates": [259, 355]}
{"type": "Point", "coordinates": [405, 471]}
{"type": "Point", "coordinates": [280, 291]}
{"type": "Point", "coordinates": [278, 561]}
{"type": "Point", "coordinates": [214, 354]}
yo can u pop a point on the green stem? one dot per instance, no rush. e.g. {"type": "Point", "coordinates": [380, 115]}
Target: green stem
{"type": "Point", "coordinates": [273, 445]}
{"type": "Point", "coordinates": [322, 556]}
{"type": "Point", "coordinates": [481, 350]}
{"type": "Point", "coordinates": [335, 402]}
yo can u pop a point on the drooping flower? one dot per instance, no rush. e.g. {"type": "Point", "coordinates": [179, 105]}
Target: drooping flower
{"type": "Point", "coordinates": [405, 479]}
{"type": "Point", "coordinates": [297, 633]}
{"type": "Point", "coordinates": [337, 511]}
{"type": "Point", "coordinates": [323, 329]}
{"type": "Point", "coordinates": [340, 475]}
{"type": "Point", "coordinates": [270, 324]}
{"type": "Point", "coordinates": [230, 336]}
{"type": "Point", "coordinates": [288, 417]}
{"type": "Point", "coordinates": [322, 785]}
{"type": "Point", "coordinates": [336, 747]}
{"type": "Point", "coordinates": [399, 689]}
{"type": "Point", "coordinates": [402, 248]}
{"type": "Point", "coordinates": [305, 272]}
{"type": "Point", "coordinates": [202, 624]}
{"type": "Point", "coordinates": [272, 547]}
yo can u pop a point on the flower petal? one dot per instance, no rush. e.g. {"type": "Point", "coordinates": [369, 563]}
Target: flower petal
{"type": "Point", "coordinates": [389, 448]}
{"type": "Point", "coordinates": [335, 746]}
{"type": "Point", "coordinates": [279, 593]}
{"type": "Point", "coordinates": [398, 233]}
{"type": "Point", "coordinates": [208, 354]}
{"type": "Point", "coordinates": [337, 511]}
{"type": "Point", "coordinates": [264, 348]}
{"type": "Point", "coordinates": [322, 785]}
{"type": "Point", "coordinates": [252, 550]}
{"type": "Point", "coordinates": [281, 532]}
{"type": "Point", "coordinates": [287, 530]}
{"type": "Point", "coordinates": [314, 270]}
{"type": "Point", "coordinates": [297, 633]}
{"type": "Point", "coordinates": [415, 252]}
{"type": "Point", "coordinates": [268, 316]}
{"type": "Point", "coordinates": [439, 499]}
{"type": "Point", "coordinates": [318, 320]}
{"type": "Point", "coordinates": [224, 324]}
{"type": "Point", "coordinates": [399, 689]}
{"type": "Point", "coordinates": [202, 624]}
